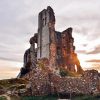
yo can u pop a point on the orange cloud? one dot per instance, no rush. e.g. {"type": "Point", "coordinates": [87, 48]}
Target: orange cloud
{"type": "Point", "coordinates": [9, 69]}
{"type": "Point", "coordinates": [93, 60]}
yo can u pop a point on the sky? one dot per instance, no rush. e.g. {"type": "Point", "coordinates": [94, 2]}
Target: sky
{"type": "Point", "coordinates": [19, 22]}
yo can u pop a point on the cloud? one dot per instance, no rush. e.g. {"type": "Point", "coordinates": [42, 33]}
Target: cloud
{"type": "Point", "coordinates": [10, 59]}
{"type": "Point", "coordinates": [81, 51]}
{"type": "Point", "coordinates": [93, 60]}
{"type": "Point", "coordinates": [9, 69]}
{"type": "Point", "coordinates": [96, 67]}
{"type": "Point", "coordinates": [95, 51]}
{"type": "Point", "coordinates": [8, 72]}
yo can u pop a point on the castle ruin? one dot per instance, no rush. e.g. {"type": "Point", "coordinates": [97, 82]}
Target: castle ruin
{"type": "Point", "coordinates": [56, 46]}
{"type": "Point", "coordinates": [49, 52]}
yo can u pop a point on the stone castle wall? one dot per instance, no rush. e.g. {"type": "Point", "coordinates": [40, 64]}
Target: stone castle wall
{"type": "Point", "coordinates": [58, 50]}
{"type": "Point", "coordinates": [44, 83]}
{"type": "Point", "coordinates": [56, 46]}
{"type": "Point", "coordinates": [78, 85]}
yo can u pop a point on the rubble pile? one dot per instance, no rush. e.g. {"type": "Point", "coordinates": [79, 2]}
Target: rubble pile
{"type": "Point", "coordinates": [38, 82]}
{"type": "Point", "coordinates": [79, 85]}
{"type": "Point", "coordinates": [44, 83]}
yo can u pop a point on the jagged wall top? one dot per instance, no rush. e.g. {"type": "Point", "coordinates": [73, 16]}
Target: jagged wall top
{"type": "Point", "coordinates": [46, 16]}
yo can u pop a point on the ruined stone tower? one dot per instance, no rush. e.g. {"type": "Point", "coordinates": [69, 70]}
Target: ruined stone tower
{"type": "Point", "coordinates": [56, 46]}
{"type": "Point", "coordinates": [46, 28]}
{"type": "Point", "coordinates": [46, 36]}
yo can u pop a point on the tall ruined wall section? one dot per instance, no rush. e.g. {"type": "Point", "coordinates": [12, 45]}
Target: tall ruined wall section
{"type": "Point", "coordinates": [46, 36]}
{"type": "Point", "coordinates": [33, 50]}
{"type": "Point", "coordinates": [69, 56]}
{"type": "Point", "coordinates": [68, 49]}
{"type": "Point", "coordinates": [56, 46]}
{"type": "Point", "coordinates": [43, 35]}
{"type": "Point", "coordinates": [45, 21]}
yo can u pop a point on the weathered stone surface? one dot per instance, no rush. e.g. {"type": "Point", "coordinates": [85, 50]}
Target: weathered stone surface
{"type": "Point", "coordinates": [44, 82]}
{"type": "Point", "coordinates": [55, 51]}
{"type": "Point", "coordinates": [30, 57]}
{"type": "Point", "coordinates": [56, 46]}
{"type": "Point", "coordinates": [77, 85]}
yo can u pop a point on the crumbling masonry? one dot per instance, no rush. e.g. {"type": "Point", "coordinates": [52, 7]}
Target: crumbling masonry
{"type": "Point", "coordinates": [56, 46]}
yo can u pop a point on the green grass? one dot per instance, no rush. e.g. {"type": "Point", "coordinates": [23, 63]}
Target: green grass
{"type": "Point", "coordinates": [86, 97]}
{"type": "Point", "coordinates": [3, 98]}
{"type": "Point", "coordinates": [39, 98]}
{"type": "Point", "coordinates": [81, 97]}
{"type": "Point", "coordinates": [52, 97]}
{"type": "Point", "coordinates": [10, 84]}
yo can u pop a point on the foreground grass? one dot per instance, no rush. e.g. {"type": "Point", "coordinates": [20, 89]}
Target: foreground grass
{"type": "Point", "coordinates": [40, 98]}
{"type": "Point", "coordinates": [53, 97]}
{"type": "Point", "coordinates": [9, 82]}
{"type": "Point", "coordinates": [3, 98]}
{"type": "Point", "coordinates": [86, 97]}
{"type": "Point", "coordinates": [82, 97]}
